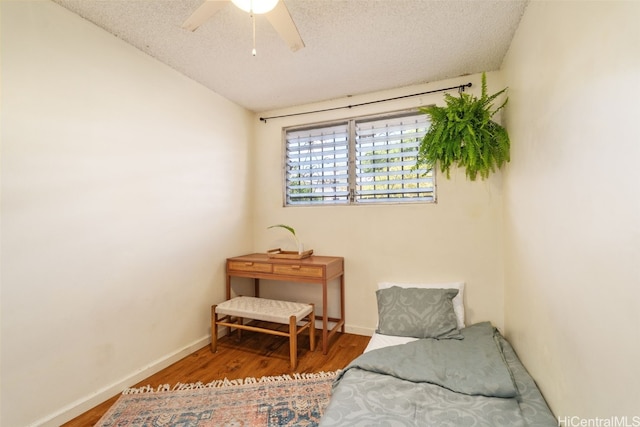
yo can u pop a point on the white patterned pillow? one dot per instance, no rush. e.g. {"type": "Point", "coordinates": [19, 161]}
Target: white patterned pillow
{"type": "Point", "coordinates": [418, 313]}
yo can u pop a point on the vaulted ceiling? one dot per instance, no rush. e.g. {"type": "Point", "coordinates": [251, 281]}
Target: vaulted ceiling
{"type": "Point", "coordinates": [351, 46]}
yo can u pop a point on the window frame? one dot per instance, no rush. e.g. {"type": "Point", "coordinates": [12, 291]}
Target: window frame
{"type": "Point", "coordinates": [352, 183]}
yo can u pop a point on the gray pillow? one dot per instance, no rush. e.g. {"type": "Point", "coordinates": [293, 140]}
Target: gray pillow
{"type": "Point", "coordinates": [417, 312]}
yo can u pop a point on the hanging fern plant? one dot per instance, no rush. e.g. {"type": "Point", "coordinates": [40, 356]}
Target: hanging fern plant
{"type": "Point", "coordinates": [463, 134]}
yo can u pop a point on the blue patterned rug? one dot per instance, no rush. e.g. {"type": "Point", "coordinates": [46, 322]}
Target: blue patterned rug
{"type": "Point", "coordinates": [296, 400]}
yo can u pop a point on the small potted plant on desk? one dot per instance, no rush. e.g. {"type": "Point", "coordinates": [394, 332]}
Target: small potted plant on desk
{"type": "Point", "coordinates": [299, 254]}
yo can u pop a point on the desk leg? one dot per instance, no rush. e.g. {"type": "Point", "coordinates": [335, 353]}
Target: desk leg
{"type": "Point", "coordinates": [228, 287]}
{"type": "Point", "coordinates": [342, 302]}
{"type": "Point", "coordinates": [256, 288]}
{"type": "Point", "coordinates": [325, 318]}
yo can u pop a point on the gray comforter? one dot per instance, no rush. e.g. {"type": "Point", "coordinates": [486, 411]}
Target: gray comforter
{"type": "Point", "coordinates": [476, 381]}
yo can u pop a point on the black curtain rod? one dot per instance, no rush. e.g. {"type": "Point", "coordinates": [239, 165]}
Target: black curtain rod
{"type": "Point", "coordinates": [460, 88]}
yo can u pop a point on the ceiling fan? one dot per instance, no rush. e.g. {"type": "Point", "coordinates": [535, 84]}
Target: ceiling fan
{"type": "Point", "coordinates": [274, 10]}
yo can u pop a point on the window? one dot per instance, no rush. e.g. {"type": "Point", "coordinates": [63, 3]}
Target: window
{"type": "Point", "coordinates": [358, 161]}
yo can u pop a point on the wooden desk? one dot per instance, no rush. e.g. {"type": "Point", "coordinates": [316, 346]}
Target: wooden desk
{"type": "Point", "coordinates": [315, 269]}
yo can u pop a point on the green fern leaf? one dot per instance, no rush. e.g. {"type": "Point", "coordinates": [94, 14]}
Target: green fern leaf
{"type": "Point", "coordinates": [463, 134]}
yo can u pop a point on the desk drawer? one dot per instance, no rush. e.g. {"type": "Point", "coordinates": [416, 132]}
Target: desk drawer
{"type": "Point", "coordinates": [249, 266]}
{"type": "Point", "coordinates": [298, 270]}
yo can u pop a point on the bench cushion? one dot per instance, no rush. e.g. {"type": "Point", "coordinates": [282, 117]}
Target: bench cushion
{"type": "Point", "coordinates": [264, 309]}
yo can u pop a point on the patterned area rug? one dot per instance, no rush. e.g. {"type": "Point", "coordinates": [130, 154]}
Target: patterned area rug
{"type": "Point", "coordinates": [297, 400]}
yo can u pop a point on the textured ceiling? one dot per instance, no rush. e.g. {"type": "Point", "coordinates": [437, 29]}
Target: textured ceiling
{"type": "Point", "coordinates": [352, 46]}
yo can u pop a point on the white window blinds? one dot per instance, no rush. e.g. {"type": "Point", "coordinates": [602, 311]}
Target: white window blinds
{"type": "Point", "coordinates": [358, 161]}
{"type": "Point", "coordinates": [386, 153]}
{"type": "Point", "coordinates": [317, 166]}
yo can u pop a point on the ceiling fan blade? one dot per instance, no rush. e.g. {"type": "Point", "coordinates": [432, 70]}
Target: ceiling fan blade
{"type": "Point", "coordinates": [281, 20]}
{"type": "Point", "coordinates": [204, 12]}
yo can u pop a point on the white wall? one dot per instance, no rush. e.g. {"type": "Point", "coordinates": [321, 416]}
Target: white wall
{"type": "Point", "coordinates": [124, 188]}
{"type": "Point", "coordinates": [459, 238]}
{"type": "Point", "coordinates": [572, 204]}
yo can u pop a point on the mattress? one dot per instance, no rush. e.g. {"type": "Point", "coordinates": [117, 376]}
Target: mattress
{"type": "Point", "coordinates": [380, 341]}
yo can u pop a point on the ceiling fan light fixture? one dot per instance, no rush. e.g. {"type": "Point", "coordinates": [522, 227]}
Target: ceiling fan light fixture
{"type": "Point", "coordinates": [256, 6]}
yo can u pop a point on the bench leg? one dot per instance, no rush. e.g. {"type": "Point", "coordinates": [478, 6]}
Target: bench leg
{"type": "Point", "coordinates": [312, 328]}
{"type": "Point", "coordinates": [214, 329]}
{"type": "Point", "coordinates": [293, 341]}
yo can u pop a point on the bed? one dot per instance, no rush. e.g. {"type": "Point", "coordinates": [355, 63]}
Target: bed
{"type": "Point", "coordinates": [424, 367]}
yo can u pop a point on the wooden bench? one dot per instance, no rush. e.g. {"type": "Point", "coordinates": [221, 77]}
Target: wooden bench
{"type": "Point", "coordinates": [267, 310]}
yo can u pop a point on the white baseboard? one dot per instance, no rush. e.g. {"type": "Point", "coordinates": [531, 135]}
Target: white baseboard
{"type": "Point", "coordinates": [358, 330]}
{"type": "Point", "coordinates": [86, 403]}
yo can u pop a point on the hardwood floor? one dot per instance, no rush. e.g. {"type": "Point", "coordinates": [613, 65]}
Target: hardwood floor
{"type": "Point", "coordinates": [256, 355]}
